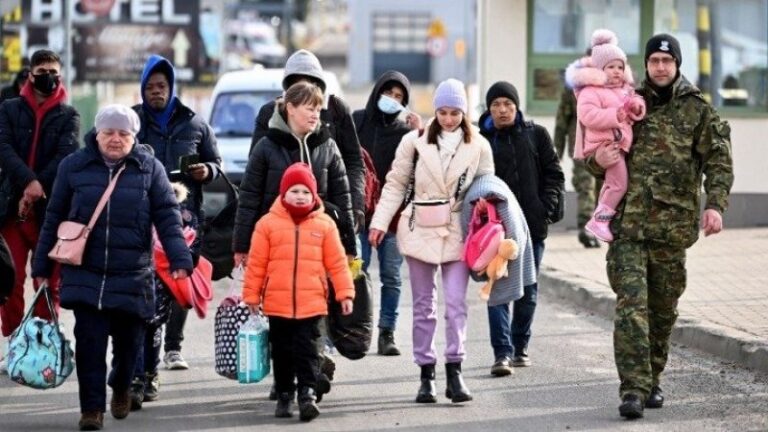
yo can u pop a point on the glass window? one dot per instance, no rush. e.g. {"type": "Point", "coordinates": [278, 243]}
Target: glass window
{"type": "Point", "coordinates": [234, 113]}
{"type": "Point", "coordinates": [565, 26]}
{"type": "Point", "coordinates": [737, 41]}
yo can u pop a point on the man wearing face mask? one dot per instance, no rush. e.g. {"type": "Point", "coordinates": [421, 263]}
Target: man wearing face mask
{"type": "Point", "coordinates": [37, 130]}
{"type": "Point", "coordinates": [380, 130]}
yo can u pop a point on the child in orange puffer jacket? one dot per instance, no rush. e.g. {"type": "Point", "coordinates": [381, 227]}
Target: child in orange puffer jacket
{"type": "Point", "coordinates": [293, 249]}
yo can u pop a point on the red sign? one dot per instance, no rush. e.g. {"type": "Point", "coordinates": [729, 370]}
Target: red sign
{"type": "Point", "coordinates": [97, 7]}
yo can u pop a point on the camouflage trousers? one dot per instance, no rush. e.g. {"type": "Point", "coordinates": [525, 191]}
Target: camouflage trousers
{"type": "Point", "coordinates": [586, 189]}
{"type": "Point", "coordinates": [648, 279]}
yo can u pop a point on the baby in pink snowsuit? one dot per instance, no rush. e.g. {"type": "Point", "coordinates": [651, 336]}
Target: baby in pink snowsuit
{"type": "Point", "coordinates": [606, 108]}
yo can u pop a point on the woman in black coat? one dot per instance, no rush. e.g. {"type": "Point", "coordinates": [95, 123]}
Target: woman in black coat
{"type": "Point", "coordinates": [112, 292]}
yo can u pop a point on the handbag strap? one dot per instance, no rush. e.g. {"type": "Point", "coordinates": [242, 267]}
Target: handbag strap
{"type": "Point", "coordinates": [105, 198]}
{"type": "Point", "coordinates": [44, 291]}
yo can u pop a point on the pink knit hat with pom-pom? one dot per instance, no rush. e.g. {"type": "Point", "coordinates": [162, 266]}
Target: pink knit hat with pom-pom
{"type": "Point", "coordinates": [605, 48]}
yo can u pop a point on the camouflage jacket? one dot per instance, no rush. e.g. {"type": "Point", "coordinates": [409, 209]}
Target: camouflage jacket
{"type": "Point", "coordinates": [676, 145]}
{"type": "Point", "coordinates": [565, 123]}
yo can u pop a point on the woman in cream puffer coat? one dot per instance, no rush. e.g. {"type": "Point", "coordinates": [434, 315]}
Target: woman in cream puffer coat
{"type": "Point", "coordinates": [444, 159]}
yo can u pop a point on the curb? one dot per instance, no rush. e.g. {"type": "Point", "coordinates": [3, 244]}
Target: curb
{"type": "Point", "coordinates": [728, 344]}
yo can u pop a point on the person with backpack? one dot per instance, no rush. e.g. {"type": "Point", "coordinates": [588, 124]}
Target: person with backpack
{"type": "Point", "coordinates": [526, 160]}
{"type": "Point", "coordinates": [380, 130]}
{"type": "Point", "coordinates": [437, 166]}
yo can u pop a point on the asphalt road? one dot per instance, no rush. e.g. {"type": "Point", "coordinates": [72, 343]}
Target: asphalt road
{"type": "Point", "coordinates": [571, 386]}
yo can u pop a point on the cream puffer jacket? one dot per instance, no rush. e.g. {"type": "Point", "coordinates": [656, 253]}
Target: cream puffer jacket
{"type": "Point", "coordinates": [432, 245]}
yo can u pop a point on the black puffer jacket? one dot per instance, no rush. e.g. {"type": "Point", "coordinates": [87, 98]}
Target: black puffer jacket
{"type": "Point", "coordinates": [338, 122]}
{"type": "Point", "coordinates": [381, 133]}
{"type": "Point", "coordinates": [526, 160]}
{"type": "Point", "coordinates": [58, 138]}
{"type": "Point", "coordinates": [268, 161]}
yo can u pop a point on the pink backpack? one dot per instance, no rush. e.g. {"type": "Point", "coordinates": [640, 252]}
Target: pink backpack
{"type": "Point", "coordinates": [483, 238]}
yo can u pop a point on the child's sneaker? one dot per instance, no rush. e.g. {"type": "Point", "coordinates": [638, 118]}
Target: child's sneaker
{"type": "Point", "coordinates": [174, 361]}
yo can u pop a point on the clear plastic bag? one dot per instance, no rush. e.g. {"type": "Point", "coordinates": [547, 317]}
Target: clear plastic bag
{"type": "Point", "coordinates": [253, 350]}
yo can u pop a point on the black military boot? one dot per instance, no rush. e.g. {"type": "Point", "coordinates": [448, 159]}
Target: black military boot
{"type": "Point", "coordinates": [631, 406]}
{"type": "Point", "coordinates": [427, 390]}
{"type": "Point", "coordinates": [284, 402]}
{"type": "Point", "coordinates": [655, 399]}
{"type": "Point", "coordinates": [587, 239]}
{"type": "Point", "coordinates": [387, 346]}
{"type": "Point", "coordinates": [308, 409]}
{"type": "Point", "coordinates": [456, 390]}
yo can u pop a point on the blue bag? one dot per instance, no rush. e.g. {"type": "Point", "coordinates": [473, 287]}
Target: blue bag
{"type": "Point", "coordinates": [253, 350]}
{"type": "Point", "coordinates": [39, 356]}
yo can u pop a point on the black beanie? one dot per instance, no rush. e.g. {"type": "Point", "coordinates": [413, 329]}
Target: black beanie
{"type": "Point", "coordinates": [502, 89]}
{"type": "Point", "coordinates": [664, 43]}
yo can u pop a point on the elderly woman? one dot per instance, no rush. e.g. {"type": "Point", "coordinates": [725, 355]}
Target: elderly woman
{"type": "Point", "coordinates": [112, 292]}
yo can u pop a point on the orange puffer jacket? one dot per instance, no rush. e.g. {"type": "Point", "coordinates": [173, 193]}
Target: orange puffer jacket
{"type": "Point", "coordinates": [288, 264]}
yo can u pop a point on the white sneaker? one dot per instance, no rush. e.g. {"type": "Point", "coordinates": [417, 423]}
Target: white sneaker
{"type": "Point", "coordinates": [174, 361]}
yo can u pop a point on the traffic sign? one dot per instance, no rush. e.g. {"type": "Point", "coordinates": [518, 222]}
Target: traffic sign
{"type": "Point", "coordinates": [437, 46]}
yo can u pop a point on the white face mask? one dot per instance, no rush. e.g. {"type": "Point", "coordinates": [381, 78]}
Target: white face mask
{"type": "Point", "coordinates": [387, 105]}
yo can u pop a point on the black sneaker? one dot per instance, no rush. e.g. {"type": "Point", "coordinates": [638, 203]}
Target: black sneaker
{"type": "Point", "coordinates": [631, 406]}
{"type": "Point", "coordinates": [151, 387]}
{"type": "Point", "coordinates": [327, 366]}
{"type": "Point", "coordinates": [521, 358]}
{"type": "Point", "coordinates": [137, 393]}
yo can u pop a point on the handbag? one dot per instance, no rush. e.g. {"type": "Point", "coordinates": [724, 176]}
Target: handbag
{"type": "Point", "coordinates": [231, 314]}
{"type": "Point", "coordinates": [435, 212]}
{"type": "Point", "coordinates": [351, 334]}
{"type": "Point", "coordinates": [72, 236]}
{"type": "Point", "coordinates": [483, 238]}
{"type": "Point", "coordinates": [39, 355]}
{"type": "Point", "coordinates": [217, 236]}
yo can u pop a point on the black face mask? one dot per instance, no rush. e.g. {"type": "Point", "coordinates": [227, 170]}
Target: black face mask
{"type": "Point", "coordinates": [46, 83]}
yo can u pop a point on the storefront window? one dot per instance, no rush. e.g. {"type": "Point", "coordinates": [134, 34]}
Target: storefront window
{"type": "Point", "coordinates": [565, 26]}
{"type": "Point", "coordinates": [736, 71]}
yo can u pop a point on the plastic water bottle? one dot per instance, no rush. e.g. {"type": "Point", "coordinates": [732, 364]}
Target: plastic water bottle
{"type": "Point", "coordinates": [253, 350]}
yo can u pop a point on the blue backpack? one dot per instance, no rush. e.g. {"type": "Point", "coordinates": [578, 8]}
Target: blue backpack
{"type": "Point", "coordinates": [39, 356]}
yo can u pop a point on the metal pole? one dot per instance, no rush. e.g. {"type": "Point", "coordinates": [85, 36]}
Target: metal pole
{"type": "Point", "coordinates": [68, 49]}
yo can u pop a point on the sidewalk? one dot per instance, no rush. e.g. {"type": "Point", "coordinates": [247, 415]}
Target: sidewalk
{"type": "Point", "coordinates": [724, 310]}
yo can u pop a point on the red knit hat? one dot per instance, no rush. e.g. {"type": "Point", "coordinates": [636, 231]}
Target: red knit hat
{"type": "Point", "coordinates": [298, 173]}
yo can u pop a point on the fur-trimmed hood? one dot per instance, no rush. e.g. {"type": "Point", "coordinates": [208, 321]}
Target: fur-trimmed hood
{"type": "Point", "coordinates": [582, 73]}
{"type": "Point", "coordinates": [180, 191]}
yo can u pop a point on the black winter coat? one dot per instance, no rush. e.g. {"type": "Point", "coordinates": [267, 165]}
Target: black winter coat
{"type": "Point", "coordinates": [380, 133]}
{"type": "Point", "coordinates": [187, 134]}
{"type": "Point", "coordinates": [58, 137]}
{"type": "Point", "coordinates": [117, 269]}
{"type": "Point", "coordinates": [260, 186]}
{"type": "Point", "coordinates": [526, 160]}
{"type": "Point", "coordinates": [338, 121]}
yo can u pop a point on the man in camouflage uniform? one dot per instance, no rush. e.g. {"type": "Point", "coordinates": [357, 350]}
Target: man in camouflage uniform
{"type": "Point", "coordinates": [582, 180]}
{"type": "Point", "coordinates": [681, 139]}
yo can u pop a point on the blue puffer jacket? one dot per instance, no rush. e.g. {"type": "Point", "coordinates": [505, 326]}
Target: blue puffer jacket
{"type": "Point", "coordinates": [117, 265]}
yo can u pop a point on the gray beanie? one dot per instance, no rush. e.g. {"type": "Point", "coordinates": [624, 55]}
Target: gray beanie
{"type": "Point", "coordinates": [304, 64]}
{"type": "Point", "coordinates": [118, 117]}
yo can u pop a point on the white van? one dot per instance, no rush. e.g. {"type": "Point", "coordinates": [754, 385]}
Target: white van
{"type": "Point", "coordinates": [237, 98]}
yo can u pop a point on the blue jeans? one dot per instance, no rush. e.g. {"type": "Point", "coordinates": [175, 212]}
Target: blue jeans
{"type": "Point", "coordinates": [390, 261]}
{"type": "Point", "coordinates": [510, 338]}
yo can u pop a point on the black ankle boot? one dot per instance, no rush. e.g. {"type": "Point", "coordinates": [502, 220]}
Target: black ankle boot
{"type": "Point", "coordinates": [631, 406]}
{"type": "Point", "coordinates": [387, 345]}
{"type": "Point", "coordinates": [308, 409]}
{"type": "Point", "coordinates": [427, 391]}
{"type": "Point", "coordinates": [456, 390]}
{"type": "Point", "coordinates": [284, 402]}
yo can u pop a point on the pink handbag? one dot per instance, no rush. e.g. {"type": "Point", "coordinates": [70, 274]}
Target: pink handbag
{"type": "Point", "coordinates": [483, 238]}
{"type": "Point", "coordinates": [72, 236]}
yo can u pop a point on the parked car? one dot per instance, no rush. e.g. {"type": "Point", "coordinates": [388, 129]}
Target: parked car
{"type": "Point", "coordinates": [237, 98]}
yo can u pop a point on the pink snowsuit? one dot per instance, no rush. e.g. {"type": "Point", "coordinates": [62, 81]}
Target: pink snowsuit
{"type": "Point", "coordinates": [596, 111]}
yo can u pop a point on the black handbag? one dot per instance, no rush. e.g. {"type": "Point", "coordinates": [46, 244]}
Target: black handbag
{"type": "Point", "coordinates": [351, 334]}
{"type": "Point", "coordinates": [217, 236]}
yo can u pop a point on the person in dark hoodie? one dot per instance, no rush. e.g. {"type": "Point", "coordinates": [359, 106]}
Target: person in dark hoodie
{"type": "Point", "coordinates": [37, 130]}
{"type": "Point", "coordinates": [173, 131]}
{"type": "Point", "coordinates": [13, 90]}
{"type": "Point", "coordinates": [304, 66]}
{"type": "Point", "coordinates": [380, 131]}
{"type": "Point", "coordinates": [526, 160]}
